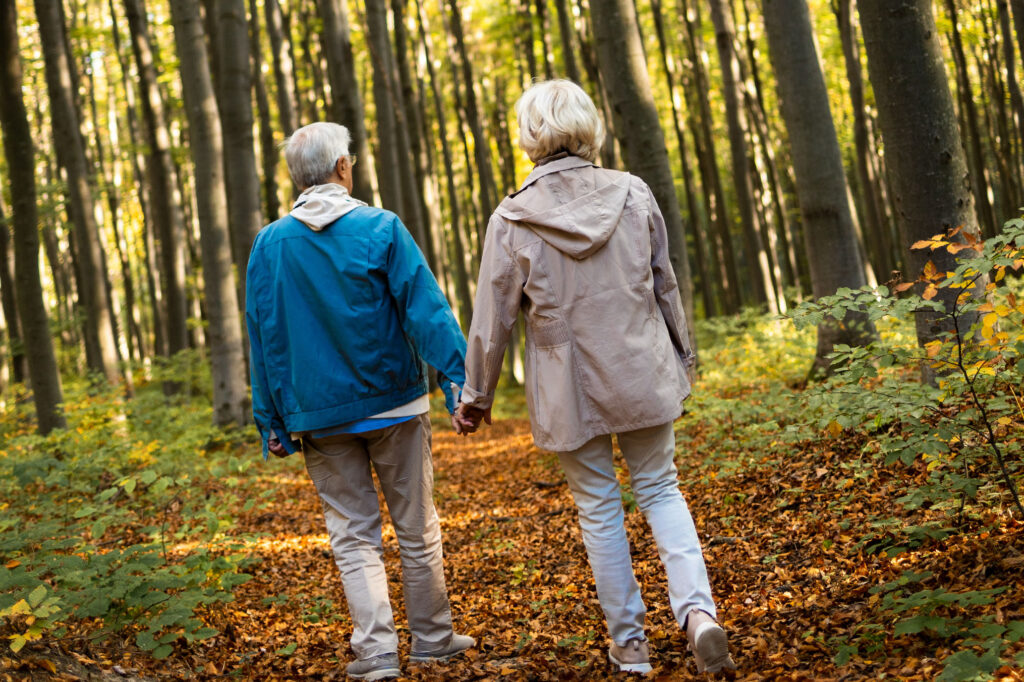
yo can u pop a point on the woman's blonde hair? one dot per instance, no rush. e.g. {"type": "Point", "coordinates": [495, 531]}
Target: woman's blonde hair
{"type": "Point", "coordinates": [557, 115]}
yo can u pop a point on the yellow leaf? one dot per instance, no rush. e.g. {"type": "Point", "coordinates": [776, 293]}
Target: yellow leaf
{"type": "Point", "coordinates": [930, 292]}
{"type": "Point", "coordinates": [930, 271]}
{"type": "Point", "coordinates": [19, 608]}
{"type": "Point", "coordinates": [1001, 272]}
{"type": "Point", "coordinates": [932, 348]}
{"type": "Point", "coordinates": [1004, 421]}
{"type": "Point", "coordinates": [834, 428]}
{"type": "Point", "coordinates": [13, 563]}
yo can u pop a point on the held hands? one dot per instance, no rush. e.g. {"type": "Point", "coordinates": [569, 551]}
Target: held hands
{"type": "Point", "coordinates": [467, 419]}
{"type": "Point", "coordinates": [276, 447]}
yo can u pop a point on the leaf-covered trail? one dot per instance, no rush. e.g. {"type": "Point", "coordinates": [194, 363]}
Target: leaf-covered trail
{"type": "Point", "coordinates": [784, 572]}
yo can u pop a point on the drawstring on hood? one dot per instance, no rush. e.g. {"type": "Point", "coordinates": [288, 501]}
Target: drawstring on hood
{"type": "Point", "coordinates": [577, 212]}
{"type": "Point", "coordinates": [321, 205]}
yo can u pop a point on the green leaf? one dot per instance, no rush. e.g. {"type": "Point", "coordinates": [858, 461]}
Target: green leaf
{"type": "Point", "coordinates": [36, 596]}
{"type": "Point", "coordinates": [148, 476]}
{"type": "Point", "coordinates": [163, 651]}
{"type": "Point", "coordinates": [288, 650]}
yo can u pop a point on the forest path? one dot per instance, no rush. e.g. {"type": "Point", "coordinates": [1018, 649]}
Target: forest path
{"type": "Point", "coordinates": [785, 573]}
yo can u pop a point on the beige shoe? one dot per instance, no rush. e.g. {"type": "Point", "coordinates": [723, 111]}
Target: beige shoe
{"type": "Point", "coordinates": [634, 657]}
{"type": "Point", "coordinates": [709, 643]}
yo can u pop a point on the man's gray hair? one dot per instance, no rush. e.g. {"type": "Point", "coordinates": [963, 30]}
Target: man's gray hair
{"type": "Point", "coordinates": [557, 115]}
{"type": "Point", "coordinates": [313, 150]}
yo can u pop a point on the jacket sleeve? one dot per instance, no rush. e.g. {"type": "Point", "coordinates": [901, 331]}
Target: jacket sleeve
{"type": "Point", "coordinates": [424, 311]}
{"type": "Point", "coordinates": [499, 293]}
{"type": "Point", "coordinates": [264, 411]}
{"type": "Point", "coordinates": [666, 288]}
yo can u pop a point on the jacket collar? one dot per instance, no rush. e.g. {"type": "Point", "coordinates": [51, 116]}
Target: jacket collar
{"type": "Point", "coordinates": [552, 165]}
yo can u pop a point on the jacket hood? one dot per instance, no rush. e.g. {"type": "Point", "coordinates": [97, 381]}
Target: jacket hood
{"type": "Point", "coordinates": [570, 203]}
{"type": "Point", "coordinates": [321, 205]}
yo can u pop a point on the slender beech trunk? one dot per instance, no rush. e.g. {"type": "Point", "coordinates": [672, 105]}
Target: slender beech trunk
{"type": "Point", "coordinates": [19, 362]}
{"type": "Point", "coordinates": [234, 83]}
{"type": "Point", "coordinates": [1017, 6]}
{"type": "Point", "coordinates": [832, 250]}
{"type": "Point", "coordinates": [165, 197]}
{"type": "Point", "coordinates": [1010, 64]}
{"type": "Point", "coordinates": [624, 72]}
{"type": "Point", "coordinates": [542, 22]}
{"type": "Point", "coordinates": [20, 154]}
{"type": "Point", "coordinates": [97, 328]}
{"type": "Point", "coordinates": [698, 96]}
{"type": "Point", "coordinates": [346, 102]}
{"type": "Point", "coordinates": [972, 133]}
{"type": "Point", "coordinates": [481, 146]}
{"type": "Point", "coordinates": [458, 256]}
{"type": "Point", "coordinates": [695, 221]}
{"type": "Point", "coordinates": [922, 140]}
{"type": "Point", "coordinates": [279, 32]}
{"type": "Point", "coordinates": [269, 153]}
{"type": "Point", "coordinates": [758, 270]}
{"type": "Point", "coordinates": [224, 334]}
{"type": "Point", "coordinates": [572, 70]}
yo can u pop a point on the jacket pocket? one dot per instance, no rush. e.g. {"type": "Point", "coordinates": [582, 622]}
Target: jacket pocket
{"type": "Point", "coordinates": [550, 334]}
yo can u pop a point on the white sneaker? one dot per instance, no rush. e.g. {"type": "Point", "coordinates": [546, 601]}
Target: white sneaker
{"type": "Point", "coordinates": [458, 644]}
{"type": "Point", "coordinates": [709, 643]}
{"type": "Point", "coordinates": [635, 657]}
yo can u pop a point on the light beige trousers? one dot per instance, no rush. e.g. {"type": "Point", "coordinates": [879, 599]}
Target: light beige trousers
{"type": "Point", "coordinates": [590, 472]}
{"type": "Point", "coordinates": [340, 469]}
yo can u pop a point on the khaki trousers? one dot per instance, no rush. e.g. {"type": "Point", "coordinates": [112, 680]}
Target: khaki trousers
{"type": "Point", "coordinates": [340, 469]}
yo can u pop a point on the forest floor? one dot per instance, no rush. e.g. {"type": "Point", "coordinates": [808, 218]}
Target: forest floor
{"type": "Point", "coordinates": [780, 535]}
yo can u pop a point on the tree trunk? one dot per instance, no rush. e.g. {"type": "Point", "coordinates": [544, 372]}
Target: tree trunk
{"type": "Point", "coordinates": [1018, 23]}
{"type": "Point", "coordinates": [269, 153]}
{"type": "Point", "coordinates": [572, 71]}
{"type": "Point", "coordinates": [624, 73]}
{"type": "Point", "coordinates": [972, 134]}
{"type": "Point", "coordinates": [759, 272]}
{"type": "Point", "coordinates": [458, 257]}
{"type": "Point", "coordinates": [346, 102]}
{"type": "Point", "coordinates": [481, 147]}
{"type": "Point", "coordinates": [234, 83]}
{"type": "Point", "coordinates": [98, 330]}
{"type": "Point", "coordinates": [721, 247]}
{"type": "Point", "coordinates": [542, 20]}
{"type": "Point", "coordinates": [19, 363]}
{"type": "Point", "coordinates": [922, 140]}
{"type": "Point", "coordinates": [19, 151]}
{"type": "Point", "coordinates": [832, 249]}
{"type": "Point", "coordinates": [227, 363]}
{"type": "Point", "coordinates": [165, 197]}
{"type": "Point", "coordinates": [281, 55]}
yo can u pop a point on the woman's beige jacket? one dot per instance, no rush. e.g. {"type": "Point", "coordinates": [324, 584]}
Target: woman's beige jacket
{"type": "Point", "coordinates": [583, 252]}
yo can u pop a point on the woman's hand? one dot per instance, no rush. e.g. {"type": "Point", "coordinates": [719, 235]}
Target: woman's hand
{"type": "Point", "coordinates": [467, 418]}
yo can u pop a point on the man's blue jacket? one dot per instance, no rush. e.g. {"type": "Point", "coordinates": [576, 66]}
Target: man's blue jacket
{"type": "Point", "coordinates": [340, 322]}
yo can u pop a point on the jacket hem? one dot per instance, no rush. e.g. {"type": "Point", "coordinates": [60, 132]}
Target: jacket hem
{"type": "Point", "coordinates": [605, 430]}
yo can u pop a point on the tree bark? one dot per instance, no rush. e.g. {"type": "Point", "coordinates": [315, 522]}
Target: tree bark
{"type": "Point", "coordinates": [572, 70]}
{"type": "Point", "coordinates": [831, 242]}
{"type": "Point", "coordinates": [98, 329]}
{"type": "Point", "coordinates": [165, 197]}
{"type": "Point", "coordinates": [269, 153]}
{"type": "Point", "coordinates": [924, 156]}
{"type": "Point", "coordinates": [346, 102]}
{"type": "Point", "coordinates": [972, 134]}
{"type": "Point", "coordinates": [284, 72]}
{"type": "Point", "coordinates": [234, 83]}
{"type": "Point", "coordinates": [20, 154]}
{"type": "Point", "coordinates": [19, 363]}
{"type": "Point", "coordinates": [620, 59]}
{"type": "Point", "coordinates": [759, 272]}
{"type": "Point", "coordinates": [227, 363]}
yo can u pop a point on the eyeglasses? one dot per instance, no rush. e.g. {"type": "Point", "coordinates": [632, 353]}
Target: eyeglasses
{"type": "Point", "coordinates": [352, 159]}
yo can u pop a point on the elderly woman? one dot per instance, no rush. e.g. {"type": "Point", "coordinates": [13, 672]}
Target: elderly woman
{"type": "Point", "coordinates": [583, 252]}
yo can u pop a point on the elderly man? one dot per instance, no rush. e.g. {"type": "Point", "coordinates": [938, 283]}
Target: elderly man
{"type": "Point", "coordinates": [341, 307]}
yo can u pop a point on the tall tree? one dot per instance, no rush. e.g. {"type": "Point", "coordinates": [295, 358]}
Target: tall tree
{"type": "Point", "coordinates": [346, 102]}
{"type": "Point", "coordinates": [759, 270]}
{"type": "Point", "coordinates": [269, 153]}
{"type": "Point", "coordinates": [279, 32]}
{"type": "Point", "coordinates": [234, 83]}
{"type": "Point", "coordinates": [227, 362]}
{"type": "Point", "coordinates": [620, 58]}
{"type": "Point", "coordinates": [830, 239]}
{"type": "Point", "coordinates": [98, 326]}
{"type": "Point", "coordinates": [922, 139]}
{"type": "Point", "coordinates": [164, 196]}
{"type": "Point", "coordinates": [20, 153]}
{"type": "Point", "coordinates": [19, 363]}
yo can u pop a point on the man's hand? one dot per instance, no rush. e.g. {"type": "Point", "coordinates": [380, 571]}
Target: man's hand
{"type": "Point", "coordinates": [276, 447]}
{"type": "Point", "coordinates": [467, 418]}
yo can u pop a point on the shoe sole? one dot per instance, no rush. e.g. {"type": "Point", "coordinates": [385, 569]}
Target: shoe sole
{"type": "Point", "coordinates": [715, 644]}
{"type": "Point", "coordinates": [630, 667]}
{"type": "Point", "coordinates": [383, 674]}
{"type": "Point", "coordinates": [435, 659]}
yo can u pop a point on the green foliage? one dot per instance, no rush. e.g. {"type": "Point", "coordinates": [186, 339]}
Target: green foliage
{"type": "Point", "coordinates": [120, 518]}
